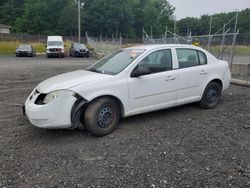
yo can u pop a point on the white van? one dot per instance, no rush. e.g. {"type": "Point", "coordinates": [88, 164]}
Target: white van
{"type": "Point", "coordinates": [55, 46]}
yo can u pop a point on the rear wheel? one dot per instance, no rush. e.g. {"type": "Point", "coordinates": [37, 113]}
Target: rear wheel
{"type": "Point", "coordinates": [102, 116]}
{"type": "Point", "coordinates": [211, 96]}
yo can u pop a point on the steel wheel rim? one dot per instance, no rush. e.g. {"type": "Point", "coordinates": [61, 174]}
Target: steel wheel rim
{"type": "Point", "coordinates": [105, 117]}
{"type": "Point", "coordinates": [212, 96]}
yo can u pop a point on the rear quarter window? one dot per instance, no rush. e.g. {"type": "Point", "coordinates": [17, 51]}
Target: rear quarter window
{"type": "Point", "coordinates": [202, 58]}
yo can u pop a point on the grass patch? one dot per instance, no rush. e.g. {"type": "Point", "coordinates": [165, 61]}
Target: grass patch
{"type": "Point", "coordinates": [242, 50]}
{"type": "Point", "coordinates": [239, 50]}
{"type": "Point", "coordinates": [10, 47]}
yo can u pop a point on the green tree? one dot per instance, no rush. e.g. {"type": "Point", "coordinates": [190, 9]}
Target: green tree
{"type": "Point", "coordinates": [68, 22]}
{"type": "Point", "coordinates": [10, 10]}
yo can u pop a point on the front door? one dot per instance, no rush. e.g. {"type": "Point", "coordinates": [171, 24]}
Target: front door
{"type": "Point", "coordinates": [157, 89]}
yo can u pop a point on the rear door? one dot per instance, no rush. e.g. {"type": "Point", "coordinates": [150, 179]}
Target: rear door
{"type": "Point", "coordinates": [193, 71]}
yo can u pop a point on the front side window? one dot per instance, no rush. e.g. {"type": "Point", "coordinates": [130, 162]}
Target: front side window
{"type": "Point", "coordinates": [116, 62]}
{"type": "Point", "coordinates": [158, 61]}
{"type": "Point", "coordinates": [190, 58]}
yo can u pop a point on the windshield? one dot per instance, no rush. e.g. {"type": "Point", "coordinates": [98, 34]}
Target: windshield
{"type": "Point", "coordinates": [116, 62]}
{"type": "Point", "coordinates": [55, 43]}
{"type": "Point", "coordinates": [25, 47]}
{"type": "Point", "coordinates": [80, 46]}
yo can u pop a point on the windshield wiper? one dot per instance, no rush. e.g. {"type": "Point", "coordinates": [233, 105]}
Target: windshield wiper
{"type": "Point", "coordinates": [97, 71]}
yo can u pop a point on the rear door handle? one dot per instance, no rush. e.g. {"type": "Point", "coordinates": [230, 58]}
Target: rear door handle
{"type": "Point", "coordinates": [203, 72]}
{"type": "Point", "coordinates": [169, 78]}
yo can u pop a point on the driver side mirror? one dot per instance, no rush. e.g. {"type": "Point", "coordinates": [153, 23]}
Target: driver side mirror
{"type": "Point", "coordinates": [140, 71]}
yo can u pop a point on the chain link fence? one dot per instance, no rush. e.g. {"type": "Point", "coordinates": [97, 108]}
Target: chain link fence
{"type": "Point", "coordinates": [221, 44]}
{"type": "Point", "coordinates": [105, 46]}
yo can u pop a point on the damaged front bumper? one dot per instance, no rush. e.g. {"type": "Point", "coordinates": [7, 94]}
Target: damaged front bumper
{"type": "Point", "coordinates": [55, 115]}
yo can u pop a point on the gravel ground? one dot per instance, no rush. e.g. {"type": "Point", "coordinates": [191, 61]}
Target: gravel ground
{"type": "Point", "coordinates": [179, 147]}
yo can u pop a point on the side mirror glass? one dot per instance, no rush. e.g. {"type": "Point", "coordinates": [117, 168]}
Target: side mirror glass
{"type": "Point", "coordinates": [140, 71]}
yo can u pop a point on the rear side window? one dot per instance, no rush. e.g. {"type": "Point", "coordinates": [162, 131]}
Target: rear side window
{"type": "Point", "coordinates": [190, 58]}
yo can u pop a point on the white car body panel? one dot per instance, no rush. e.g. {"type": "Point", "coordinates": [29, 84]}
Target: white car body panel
{"type": "Point", "coordinates": [71, 79]}
{"type": "Point", "coordinates": [136, 95]}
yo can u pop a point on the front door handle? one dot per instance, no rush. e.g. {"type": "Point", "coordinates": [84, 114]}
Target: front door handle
{"type": "Point", "coordinates": [169, 78]}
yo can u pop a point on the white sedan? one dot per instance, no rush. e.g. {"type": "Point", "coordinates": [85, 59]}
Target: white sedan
{"type": "Point", "coordinates": [127, 82]}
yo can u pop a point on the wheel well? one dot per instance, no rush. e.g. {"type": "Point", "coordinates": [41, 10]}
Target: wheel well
{"type": "Point", "coordinates": [118, 101]}
{"type": "Point", "coordinates": [218, 81]}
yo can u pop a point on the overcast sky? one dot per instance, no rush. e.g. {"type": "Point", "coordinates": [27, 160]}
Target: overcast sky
{"type": "Point", "coordinates": [196, 8]}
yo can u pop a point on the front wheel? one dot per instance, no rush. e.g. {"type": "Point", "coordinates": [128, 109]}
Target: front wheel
{"type": "Point", "coordinates": [102, 116]}
{"type": "Point", "coordinates": [211, 96]}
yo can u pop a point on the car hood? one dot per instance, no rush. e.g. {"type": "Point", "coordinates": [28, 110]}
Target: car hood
{"type": "Point", "coordinates": [68, 80]}
{"type": "Point", "coordinates": [22, 50]}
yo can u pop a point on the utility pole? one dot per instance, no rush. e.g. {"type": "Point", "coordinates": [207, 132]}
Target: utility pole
{"type": "Point", "coordinates": [79, 5]}
{"type": "Point", "coordinates": [79, 21]}
{"type": "Point", "coordinates": [210, 30]}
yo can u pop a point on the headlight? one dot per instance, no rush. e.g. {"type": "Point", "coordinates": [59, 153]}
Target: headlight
{"type": "Point", "coordinates": [54, 94]}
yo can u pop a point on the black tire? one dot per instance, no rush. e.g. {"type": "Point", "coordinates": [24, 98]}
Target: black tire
{"type": "Point", "coordinates": [102, 116]}
{"type": "Point", "coordinates": [87, 55]}
{"type": "Point", "coordinates": [211, 96]}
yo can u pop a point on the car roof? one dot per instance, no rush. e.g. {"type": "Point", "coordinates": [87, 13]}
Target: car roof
{"type": "Point", "coordinates": [57, 38]}
{"type": "Point", "coordinates": [156, 46]}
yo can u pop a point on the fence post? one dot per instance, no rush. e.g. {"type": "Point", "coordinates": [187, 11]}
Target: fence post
{"type": "Point", "coordinates": [233, 47]}
{"type": "Point", "coordinates": [222, 41]}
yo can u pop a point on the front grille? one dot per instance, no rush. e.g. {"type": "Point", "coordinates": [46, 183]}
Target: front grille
{"type": "Point", "coordinates": [54, 49]}
{"type": "Point", "coordinates": [82, 50]}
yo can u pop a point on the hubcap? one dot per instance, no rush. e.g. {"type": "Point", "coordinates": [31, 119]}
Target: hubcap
{"type": "Point", "coordinates": [105, 117]}
{"type": "Point", "coordinates": [212, 96]}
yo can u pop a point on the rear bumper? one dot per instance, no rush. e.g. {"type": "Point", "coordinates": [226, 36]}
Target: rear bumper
{"type": "Point", "coordinates": [23, 54]}
{"type": "Point", "coordinates": [81, 54]}
{"type": "Point", "coordinates": [226, 79]}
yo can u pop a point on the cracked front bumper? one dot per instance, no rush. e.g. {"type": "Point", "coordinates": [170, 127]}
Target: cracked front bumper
{"type": "Point", "coordinates": [54, 115]}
